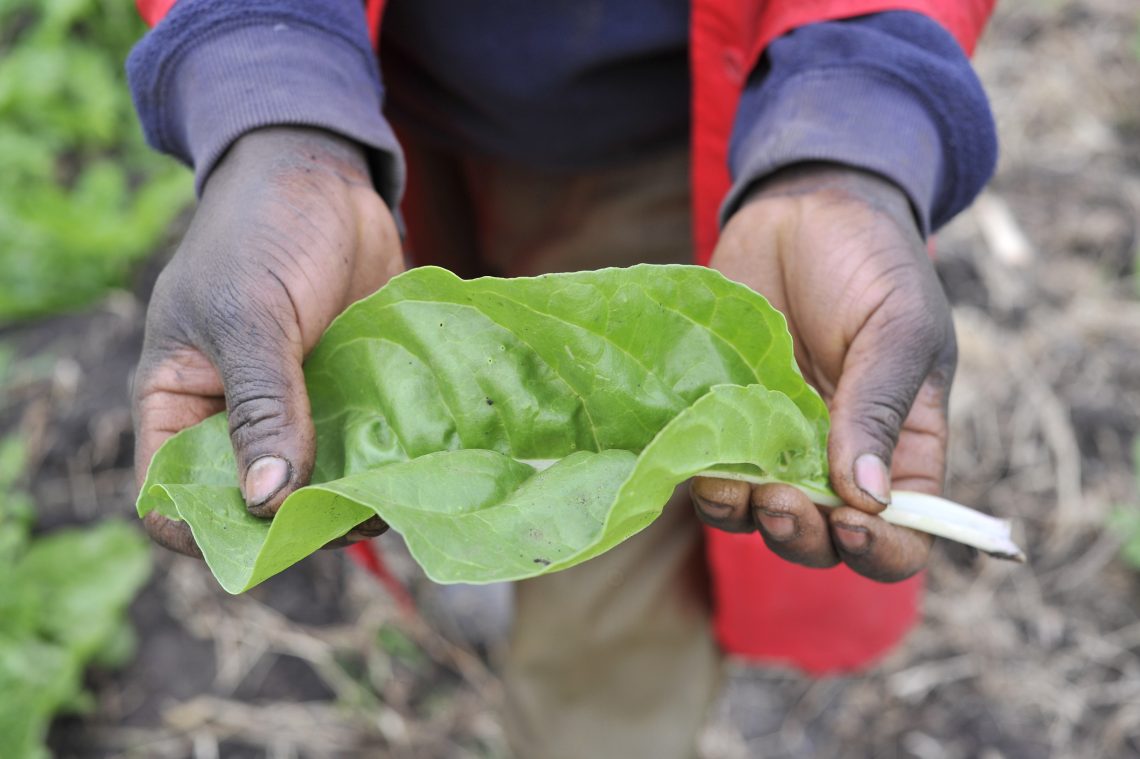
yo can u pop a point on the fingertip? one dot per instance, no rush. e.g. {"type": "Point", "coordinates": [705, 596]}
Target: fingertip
{"type": "Point", "coordinates": [779, 527]}
{"type": "Point", "coordinates": [721, 503]}
{"type": "Point", "coordinates": [873, 478]}
{"type": "Point", "coordinates": [861, 478]}
{"type": "Point", "coordinates": [792, 526]}
{"type": "Point", "coordinates": [876, 549]}
{"type": "Point", "coordinates": [373, 527]}
{"type": "Point", "coordinates": [777, 508]}
{"type": "Point", "coordinates": [264, 481]}
{"type": "Point", "coordinates": [175, 536]}
{"type": "Point", "coordinates": [851, 540]}
{"type": "Point", "coordinates": [267, 403]}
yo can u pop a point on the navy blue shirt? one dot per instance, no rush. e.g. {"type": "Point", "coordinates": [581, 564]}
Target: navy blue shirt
{"type": "Point", "coordinates": [560, 84]}
{"type": "Point", "coordinates": [565, 84]}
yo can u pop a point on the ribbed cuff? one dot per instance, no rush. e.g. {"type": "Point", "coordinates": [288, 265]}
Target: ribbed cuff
{"type": "Point", "coordinates": [273, 74]}
{"type": "Point", "coordinates": [855, 117]}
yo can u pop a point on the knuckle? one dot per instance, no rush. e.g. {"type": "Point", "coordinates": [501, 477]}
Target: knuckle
{"type": "Point", "coordinates": [917, 330]}
{"type": "Point", "coordinates": [244, 313]}
{"type": "Point", "coordinates": [256, 407]}
{"type": "Point", "coordinates": [881, 418]}
{"type": "Point", "coordinates": [171, 315]}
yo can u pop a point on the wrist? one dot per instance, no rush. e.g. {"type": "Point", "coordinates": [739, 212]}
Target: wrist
{"type": "Point", "coordinates": [284, 152]}
{"type": "Point", "coordinates": [832, 180]}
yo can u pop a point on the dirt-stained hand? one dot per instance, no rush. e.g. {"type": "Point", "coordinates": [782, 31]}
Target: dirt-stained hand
{"type": "Point", "coordinates": [289, 231]}
{"type": "Point", "coordinates": [838, 252]}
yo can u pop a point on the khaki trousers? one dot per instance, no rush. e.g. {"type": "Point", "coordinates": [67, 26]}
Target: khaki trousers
{"type": "Point", "coordinates": [615, 657]}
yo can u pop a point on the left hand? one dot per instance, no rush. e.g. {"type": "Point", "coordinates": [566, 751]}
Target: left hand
{"type": "Point", "coordinates": [838, 251]}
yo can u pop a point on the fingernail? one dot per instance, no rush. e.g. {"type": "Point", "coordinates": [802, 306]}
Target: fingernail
{"type": "Point", "coordinates": [873, 478]}
{"type": "Point", "coordinates": [778, 526]}
{"type": "Point", "coordinates": [853, 539]}
{"type": "Point", "coordinates": [264, 478]}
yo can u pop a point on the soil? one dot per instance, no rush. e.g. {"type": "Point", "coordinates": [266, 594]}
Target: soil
{"type": "Point", "coordinates": [1010, 661]}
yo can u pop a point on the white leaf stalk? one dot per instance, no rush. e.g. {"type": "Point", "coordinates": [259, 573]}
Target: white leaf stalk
{"type": "Point", "coordinates": [920, 511]}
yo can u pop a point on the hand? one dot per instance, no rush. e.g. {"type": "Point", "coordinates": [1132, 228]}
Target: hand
{"type": "Point", "coordinates": [838, 252]}
{"type": "Point", "coordinates": [289, 231]}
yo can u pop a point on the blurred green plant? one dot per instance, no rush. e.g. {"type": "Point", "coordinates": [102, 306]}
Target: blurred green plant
{"type": "Point", "coordinates": [1125, 520]}
{"type": "Point", "coordinates": [1136, 38]}
{"type": "Point", "coordinates": [63, 601]}
{"type": "Point", "coordinates": [81, 196]}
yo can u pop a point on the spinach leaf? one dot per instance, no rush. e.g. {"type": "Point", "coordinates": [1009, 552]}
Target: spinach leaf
{"type": "Point", "coordinates": [510, 428]}
{"type": "Point", "coordinates": [63, 606]}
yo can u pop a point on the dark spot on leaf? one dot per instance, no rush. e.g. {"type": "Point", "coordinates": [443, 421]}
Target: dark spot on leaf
{"type": "Point", "coordinates": [489, 402]}
{"type": "Point", "coordinates": [543, 562]}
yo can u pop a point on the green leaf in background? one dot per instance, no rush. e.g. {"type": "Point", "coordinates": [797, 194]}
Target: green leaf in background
{"type": "Point", "coordinates": [37, 679]}
{"type": "Point", "coordinates": [509, 428]}
{"type": "Point", "coordinates": [63, 606]}
{"type": "Point", "coordinates": [82, 198]}
{"type": "Point", "coordinates": [85, 577]}
{"type": "Point", "coordinates": [1125, 520]}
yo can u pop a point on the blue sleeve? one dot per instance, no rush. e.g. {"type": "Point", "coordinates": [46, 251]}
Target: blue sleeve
{"type": "Point", "coordinates": [891, 93]}
{"type": "Point", "coordinates": [213, 70]}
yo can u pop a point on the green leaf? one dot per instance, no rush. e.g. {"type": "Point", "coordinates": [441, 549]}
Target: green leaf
{"type": "Point", "coordinates": [36, 680]}
{"type": "Point", "coordinates": [82, 199]}
{"type": "Point", "coordinates": [510, 428]}
{"type": "Point", "coordinates": [85, 578]}
{"type": "Point", "coordinates": [1125, 520]}
{"type": "Point", "coordinates": [63, 605]}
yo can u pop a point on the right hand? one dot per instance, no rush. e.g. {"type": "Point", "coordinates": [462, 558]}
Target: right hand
{"type": "Point", "coordinates": [288, 233]}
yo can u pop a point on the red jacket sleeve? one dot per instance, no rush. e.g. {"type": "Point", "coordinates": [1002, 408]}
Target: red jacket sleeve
{"type": "Point", "coordinates": [153, 11]}
{"type": "Point", "coordinates": [965, 19]}
{"type": "Point", "coordinates": [727, 39]}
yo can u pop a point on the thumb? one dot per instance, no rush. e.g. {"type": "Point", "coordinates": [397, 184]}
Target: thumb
{"type": "Point", "coordinates": [258, 355]}
{"type": "Point", "coordinates": [896, 352]}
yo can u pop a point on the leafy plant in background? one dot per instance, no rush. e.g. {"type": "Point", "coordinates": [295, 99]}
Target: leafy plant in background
{"type": "Point", "coordinates": [81, 196]}
{"type": "Point", "coordinates": [513, 427]}
{"type": "Point", "coordinates": [1126, 519]}
{"type": "Point", "coordinates": [63, 601]}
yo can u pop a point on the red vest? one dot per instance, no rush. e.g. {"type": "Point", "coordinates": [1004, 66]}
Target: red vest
{"type": "Point", "coordinates": [765, 608]}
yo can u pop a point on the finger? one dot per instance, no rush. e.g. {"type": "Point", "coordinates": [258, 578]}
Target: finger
{"type": "Point", "coordinates": [170, 534]}
{"type": "Point", "coordinates": [257, 350]}
{"type": "Point", "coordinates": [907, 341]}
{"type": "Point", "coordinates": [374, 527]}
{"type": "Point", "coordinates": [177, 393]}
{"type": "Point", "coordinates": [919, 462]}
{"type": "Point", "coordinates": [722, 504]}
{"type": "Point", "coordinates": [175, 386]}
{"type": "Point", "coordinates": [793, 527]}
{"type": "Point", "coordinates": [876, 549]}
